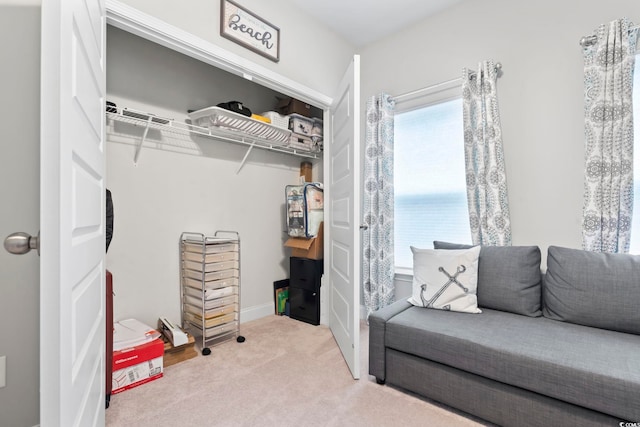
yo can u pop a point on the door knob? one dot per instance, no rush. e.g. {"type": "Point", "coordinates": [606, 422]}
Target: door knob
{"type": "Point", "coordinates": [20, 243]}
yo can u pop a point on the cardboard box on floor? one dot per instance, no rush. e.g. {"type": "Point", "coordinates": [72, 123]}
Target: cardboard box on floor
{"type": "Point", "coordinates": [307, 248]}
{"type": "Point", "coordinates": [173, 355]}
{"type": "Point", "coordinates": [137, 365]}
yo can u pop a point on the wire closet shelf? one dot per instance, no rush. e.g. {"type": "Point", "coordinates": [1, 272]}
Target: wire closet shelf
{"type": "Point", "coordinates": [150, 121]}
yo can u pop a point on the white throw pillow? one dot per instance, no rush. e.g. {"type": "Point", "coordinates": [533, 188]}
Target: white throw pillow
{"type": "Point", "coordinates": [446, 279]}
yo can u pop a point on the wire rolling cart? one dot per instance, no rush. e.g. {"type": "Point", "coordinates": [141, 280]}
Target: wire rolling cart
{"type": "Point", "coordinates": [210, 286]}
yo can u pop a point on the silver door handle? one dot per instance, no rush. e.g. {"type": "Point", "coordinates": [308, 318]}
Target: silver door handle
{"type": "Point", "coordinates": [364, 227]}
{"type": "Point", "coordinates": [20, 243]}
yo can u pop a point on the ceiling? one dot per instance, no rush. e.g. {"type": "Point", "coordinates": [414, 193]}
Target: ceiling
{"type": "Point", "coordinates": [364, 21]}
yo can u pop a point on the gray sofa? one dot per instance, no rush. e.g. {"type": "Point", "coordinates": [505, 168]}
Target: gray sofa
{"type": "Point", "coordinates": [559, 349]}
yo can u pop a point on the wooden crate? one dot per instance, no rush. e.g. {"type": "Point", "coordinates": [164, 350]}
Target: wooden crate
{"type": "Point", "coordinates": [173, 355]}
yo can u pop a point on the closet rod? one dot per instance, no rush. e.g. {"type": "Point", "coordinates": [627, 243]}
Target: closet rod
{"type": "Point", "coordinates": [435, 87]}
{"type": "Point", "coordinates": [589, 40]}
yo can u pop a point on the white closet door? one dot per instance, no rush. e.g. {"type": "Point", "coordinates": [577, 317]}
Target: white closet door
{"type": "Point", "coordinates": [343, 239]}
{"type": "Point", "coordinates": [72, 200]}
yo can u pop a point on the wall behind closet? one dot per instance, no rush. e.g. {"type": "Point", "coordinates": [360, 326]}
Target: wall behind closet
{"type": "Point", "coordinates": [309, 52]}
{"type": "Point", "coordinates": [193, 184]}
{"type": "Point", "coordinates": [540, 94]}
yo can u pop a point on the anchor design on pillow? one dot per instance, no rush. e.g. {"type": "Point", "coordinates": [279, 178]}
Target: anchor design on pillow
{"type": "Point", "coordinates": [452, 279]}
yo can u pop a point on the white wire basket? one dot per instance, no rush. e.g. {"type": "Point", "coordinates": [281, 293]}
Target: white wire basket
{"type": "Point", "coordinates": [219, 117]}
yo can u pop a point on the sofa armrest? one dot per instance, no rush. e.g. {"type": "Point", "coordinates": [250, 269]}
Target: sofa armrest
{"type": "Point", "coordinates": [377, 325]}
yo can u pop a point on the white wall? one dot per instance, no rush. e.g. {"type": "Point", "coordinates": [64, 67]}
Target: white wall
{"type": "Point", "coordinates": [309, 53]}
{"type": "Point", "coordinates": [19, 192]}
{"type": "Point", "coordinates": [186, 184]}
{"type": "Point", "coordinates": [540, 94]}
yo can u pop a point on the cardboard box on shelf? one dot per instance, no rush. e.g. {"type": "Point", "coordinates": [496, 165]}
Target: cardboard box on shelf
{"type": "Point", "coordinates": [137, 365]}
{"type": "Point", "coordinates": [307, 248]}
{"type": "Point", "coordinates": [288, 106]}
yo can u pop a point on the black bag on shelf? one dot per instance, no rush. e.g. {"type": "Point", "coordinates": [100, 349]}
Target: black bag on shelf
{"type": "Point", "coordinates": [236, 107]}
{"type": "Point", "coordinates": [111, 107]}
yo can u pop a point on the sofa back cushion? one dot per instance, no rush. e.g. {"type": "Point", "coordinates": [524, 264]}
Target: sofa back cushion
{"type": "Point", "coordinates": [509, 277]}
{"type": "Point", "coordinates": [593, 289]}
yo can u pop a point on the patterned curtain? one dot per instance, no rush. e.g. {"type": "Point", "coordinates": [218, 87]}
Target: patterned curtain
{"type": "Point", "coordinates": [377, 260]}
{"type": "Point", "coordinates": [484, 158]}
{"type": "Point", "coordinates": [608, 124]}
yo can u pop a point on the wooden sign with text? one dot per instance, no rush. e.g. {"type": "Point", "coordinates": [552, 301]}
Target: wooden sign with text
{"type": "Point", "coordinates": [249, 30]}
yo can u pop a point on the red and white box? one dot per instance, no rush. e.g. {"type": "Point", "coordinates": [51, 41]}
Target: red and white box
{"type": "Point", "coordinates": [137, 365]}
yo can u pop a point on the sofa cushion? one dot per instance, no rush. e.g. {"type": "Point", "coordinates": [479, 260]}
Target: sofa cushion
{"type": "Point", "coordinates": [445, 280]}
{"type": "Point", "coordinates": [509, 277]}
{"type": "Point", "coordinates": [589, 367]}
{"type": "Point", "coordinates": [593, 289]}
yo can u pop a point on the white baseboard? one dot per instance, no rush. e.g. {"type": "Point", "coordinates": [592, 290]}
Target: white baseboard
{"type": "Point", "coordinates": [264, 310]}
{"type": "Point", "coordinates": [256, 312]}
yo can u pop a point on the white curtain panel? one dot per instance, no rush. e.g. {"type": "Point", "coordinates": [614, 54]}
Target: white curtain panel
{"type": "Point", "coordinates": [484, 158]}
{"type": "Point", "coordinates": [608, 107]}
{"type": "Point", "coordinates": [377, 239]}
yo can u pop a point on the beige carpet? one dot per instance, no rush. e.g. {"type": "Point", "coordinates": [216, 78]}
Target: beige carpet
{"type": "Point", "coordinates": [286, 373]}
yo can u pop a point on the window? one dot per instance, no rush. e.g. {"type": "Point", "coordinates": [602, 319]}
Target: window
{"type": "Point", "coordinates": [635, 223]}
{"type": "Point", "coordinates": [429, 179]}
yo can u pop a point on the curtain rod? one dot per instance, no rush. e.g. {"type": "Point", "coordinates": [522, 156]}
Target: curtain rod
{"type": "Point", "coordinates": [589, 40]}
{"type": "Point", "coordinates": [436, 86]}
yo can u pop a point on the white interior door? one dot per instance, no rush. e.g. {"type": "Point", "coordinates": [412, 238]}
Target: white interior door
{"type": "Point", "coordinates": [343, 238]}
{"type": "Point", "coordinates": [72, 203]}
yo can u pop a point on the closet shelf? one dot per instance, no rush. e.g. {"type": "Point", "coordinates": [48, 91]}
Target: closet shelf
{"type": "Point", "coordinates": [151, 121]}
